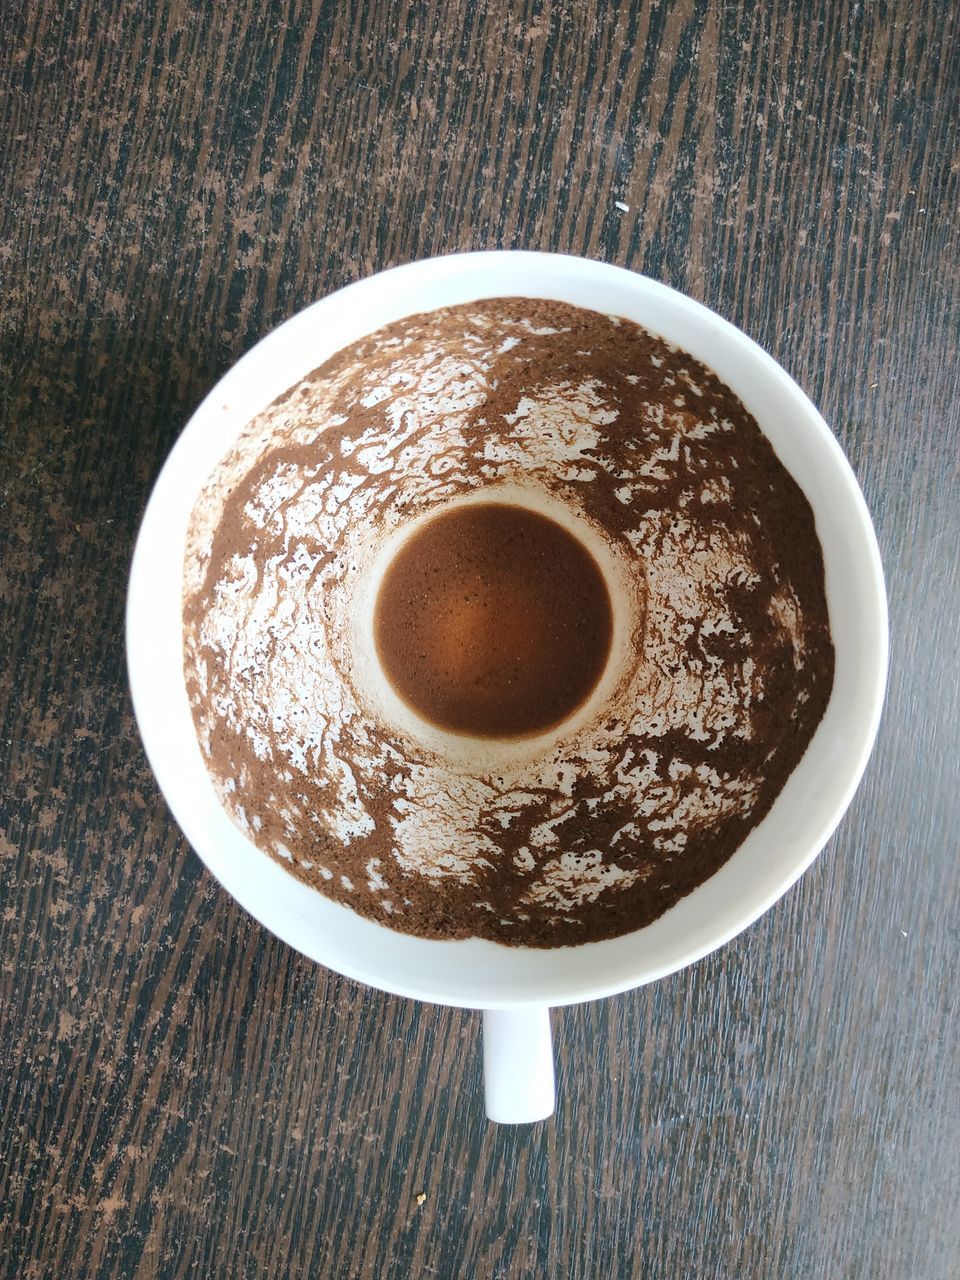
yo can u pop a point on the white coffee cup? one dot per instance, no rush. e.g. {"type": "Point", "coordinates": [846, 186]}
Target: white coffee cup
{"type": "Point", "coordinates": [514, 986]}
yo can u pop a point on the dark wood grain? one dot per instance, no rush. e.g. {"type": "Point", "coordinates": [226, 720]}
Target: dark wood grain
{"type": "Point", "coordinates": [180, 1093]}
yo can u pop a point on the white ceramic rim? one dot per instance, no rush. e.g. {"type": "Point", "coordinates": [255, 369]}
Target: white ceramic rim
{"type": "Point", "coordinates": [475, 973]}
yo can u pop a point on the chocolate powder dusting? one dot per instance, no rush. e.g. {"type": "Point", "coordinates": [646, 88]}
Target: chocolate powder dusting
{"type": "Point", "coordinates": [599, 828]}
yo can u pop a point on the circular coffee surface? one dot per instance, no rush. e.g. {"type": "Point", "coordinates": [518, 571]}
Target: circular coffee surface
{"type": "Point", "coordinates": [493, 621]}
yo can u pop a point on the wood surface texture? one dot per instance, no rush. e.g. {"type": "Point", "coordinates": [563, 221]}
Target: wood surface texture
{"type": "Point", "coordinates": [181, 1094]}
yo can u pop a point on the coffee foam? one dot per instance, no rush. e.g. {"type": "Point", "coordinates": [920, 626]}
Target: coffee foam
{"type": "Point", "coordinates": [625, 588]}
{"type": "Point", "coordinates": [314, 754]}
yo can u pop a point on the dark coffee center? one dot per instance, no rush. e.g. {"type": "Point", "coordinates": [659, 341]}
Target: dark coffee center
{"type": "Point", "coordinates": [492, 620]}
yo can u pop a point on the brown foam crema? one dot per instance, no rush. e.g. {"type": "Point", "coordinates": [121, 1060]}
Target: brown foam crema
{"type": "Point", "coordinates": [492, 621]}
{"type": "Point", "coordinates": [506, 622]}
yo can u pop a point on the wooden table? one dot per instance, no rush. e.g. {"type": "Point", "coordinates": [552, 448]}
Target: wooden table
{"type": "Point", "coordinates": [181, 1094]}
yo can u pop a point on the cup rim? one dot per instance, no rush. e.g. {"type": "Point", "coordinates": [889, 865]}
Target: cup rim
{"type": "Point", "coordinates": [271, 894]}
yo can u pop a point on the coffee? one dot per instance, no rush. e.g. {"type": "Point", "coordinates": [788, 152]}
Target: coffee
{"type": "Point", "coordinates": [493, 621]}
{"type": "Point", "coordinates": [506, 622]}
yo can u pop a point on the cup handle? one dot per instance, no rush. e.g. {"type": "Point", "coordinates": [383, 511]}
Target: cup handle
{"type": "Point", "coordinates": [518, 1065]}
